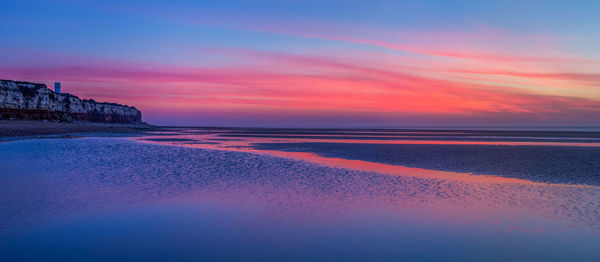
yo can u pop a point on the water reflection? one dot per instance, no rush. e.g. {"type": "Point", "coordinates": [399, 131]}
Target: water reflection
{"type": "Point", "coordinates": [579, 204]}
{"type": "Point", "coordinates": [214, 198]}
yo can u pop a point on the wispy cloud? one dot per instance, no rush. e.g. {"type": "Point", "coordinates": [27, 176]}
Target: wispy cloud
{"type": "Point", "coordinates": [332, 85]}
{"type": "Point", "coordinates": [312, 68]}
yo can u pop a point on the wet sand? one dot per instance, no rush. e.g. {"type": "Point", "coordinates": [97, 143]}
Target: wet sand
{"type": "Point", "coordinates": [21, 128]}
{"type": "Point", "coordinates": [550, 164]}
{"type": "Point", "coordinates": [158, 202]}
{"type": "Point", "coordinates": [560, 157]}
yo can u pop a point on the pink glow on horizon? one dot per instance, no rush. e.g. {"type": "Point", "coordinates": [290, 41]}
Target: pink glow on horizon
{"type": "Point", "coordinates": [315, 84]}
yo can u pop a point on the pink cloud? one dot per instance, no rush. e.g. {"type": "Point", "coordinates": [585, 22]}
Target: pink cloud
{"type": "Point", "coordinates": [333, 86]}
{"type": "Point", "coordinates": [569, 76]}
{"type": "Point", "coordinates": [484, 44]}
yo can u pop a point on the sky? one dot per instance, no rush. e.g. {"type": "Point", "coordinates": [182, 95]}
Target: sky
{"type": "Point", "coordinates": [316, 63]}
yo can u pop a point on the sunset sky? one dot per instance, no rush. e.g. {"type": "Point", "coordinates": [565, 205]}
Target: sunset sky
{"type": "Point", "coordinates": [316, 63]}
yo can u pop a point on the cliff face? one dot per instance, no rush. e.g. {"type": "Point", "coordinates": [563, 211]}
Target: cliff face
{"type": "Point", "coordinates": [23, 100]}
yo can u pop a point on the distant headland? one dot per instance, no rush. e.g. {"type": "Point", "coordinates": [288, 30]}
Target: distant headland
{"type": "Point", "coordinates": [34, 101]}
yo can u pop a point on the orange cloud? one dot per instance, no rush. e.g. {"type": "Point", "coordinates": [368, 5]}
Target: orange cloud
{"type": "Point", "coordinates": [320, 86]}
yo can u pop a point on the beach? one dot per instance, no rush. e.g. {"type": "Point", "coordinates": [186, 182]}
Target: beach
{"type": "Point", "coordinates": [299, 131]}
{"type": "Point", "coordinates": [18, 129]}
{"type": "Point", "coordinates": [189, 194]}
{"type": "Point", "coordinates": [550, 164]}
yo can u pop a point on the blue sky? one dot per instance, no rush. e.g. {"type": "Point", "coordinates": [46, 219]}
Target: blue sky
{"type": "Point", "coordinates": [466, 57]}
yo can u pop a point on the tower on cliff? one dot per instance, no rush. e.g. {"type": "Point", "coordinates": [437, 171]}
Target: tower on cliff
{"type": "Point", "coordinates": [57, 87]}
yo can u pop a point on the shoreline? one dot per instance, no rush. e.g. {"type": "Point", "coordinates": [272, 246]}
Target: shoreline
{"type": "Point", "coordinates": [25, 129]}
{"type": "Point", "coordinates": [565, 164]}
{"type": "Point", "coordinates": [575, 165]}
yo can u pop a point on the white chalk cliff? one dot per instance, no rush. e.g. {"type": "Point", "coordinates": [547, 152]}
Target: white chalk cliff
{"type": "Point", "coordinates": [24, 100]}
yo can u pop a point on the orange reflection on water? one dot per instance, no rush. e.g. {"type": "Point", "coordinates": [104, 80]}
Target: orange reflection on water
{"type": "Point", "coordinates": [387, 169]}
{"type": "Point", "coordinates": [435, 191]}
{"type": "Point", "coordinates": [245, 144]}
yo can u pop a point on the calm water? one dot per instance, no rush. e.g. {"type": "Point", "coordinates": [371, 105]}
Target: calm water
{"type": "Point", "coordinates": [197, 194]}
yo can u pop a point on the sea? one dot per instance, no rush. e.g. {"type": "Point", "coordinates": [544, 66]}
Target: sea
{"type": "Point", "coordinates": [305, 194]}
